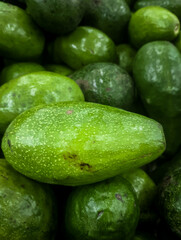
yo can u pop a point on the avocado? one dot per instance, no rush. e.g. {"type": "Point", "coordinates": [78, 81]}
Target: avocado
{"type": "Point", "coordinates": [125, 54]}
{"type": "Point", "coordinates": [76, 143]}
{"type": "Point", "coordinates": [143, 185]}
{"type": "Point", "coordinates": [169, 200]}
{"type": "Point", "coordinates": [58, 16]}
{"type": "Point", "coordinates": [106, 83]}
{"type": "Point", "coordinates": [61, 69]}
{"type": "Point", "coordinates": [33, 89]}
{"type": "Point", "coordinates": [83, 46]}
{"type": "Point", "coordinates": [173, 6]}
{"type": "Point", "coordinates": [20, 38]}
{"type": "Point", "coordinates": [152, 23]}
{"type": "Point", "coordinates": [156, 71]}
{"type": "Point", "coordinates": [177, 42]}
{"type": "Point", "coordinates": [18, 69]}
{"type": "Point", "coordinates": [28, 208]}
{"type": "Point", "coordinates": [111, 17]}
{"type": "Point", "coordinates": [102, 211]}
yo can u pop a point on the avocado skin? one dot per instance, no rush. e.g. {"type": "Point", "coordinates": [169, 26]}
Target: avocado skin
{"type": "Point", "coordinates": [83, 46]}
{"type": "Point", "coordinates": [111, 17]}
{"type": "Point", "coordinates": [18, 69]}
{"type": "Point", "coordinates": [152, 23]}
{"type": "Point", "coordinates": [125, 54]}
{"type": "Point", "coordinates": [34, 89]}
{"type": "Point", "coordinates": [61, 69]}
{"type": "Point", "coordinates": [173, 6]}
{"type": "Point", "coordinates": [57, 16]}
{"type": "Point", "coordinates": [156, 71]}
{"type": "Point", "coordinates": [143, 185]}
{"type": "Point", "coordinates": [107, 210]}
{"type": "Point", "coordinates": [76, 143]}
{"type": "Point", "coordinates": [28, 209]}
{"type": "Point", "coordinates": [106, 83]}
{"type": "Point", "coordinates": [23, 40]}
{"type": "Point", "coordinates": [169, 198]}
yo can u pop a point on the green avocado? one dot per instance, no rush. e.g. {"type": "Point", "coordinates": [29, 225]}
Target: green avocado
{"type": "Point", "coordinates": [177, 42]}
{"type": "Point", "coordinates": [76, 143]}
{"type": "Point", "coordinates": [111, 17]}
{"type": "Point", "coordinates": [61, 69]}
{"type": "Point", "coordinates": [58, 16]}
{"type": "Point", "coordinates": [83, 46]}
{"type": "Point", "coordinates": [103, 211]}
{"type": "Point", "coordinates": [143, 185]}
{"type": "Point", "coordinates": [18, 69]}
{"type": "Point", "coordinates": [125, 54]}
{"type": "Point", "coordinates": [169, 200]}
{"type": "Point", "coordinates": [20, 38]}
{"type": "Point", "coordinates": [106, 83]}
{"type": "Point", "coordinates": [28, 209]}
{"type": "Point", "coordinates": [172, 5]}
{"type": "Point", "coordinates": [152, 23]}
{"type": "Point", "coordinates": [157, 71]}
{"type": "Point", "coordinates": [34, 89]}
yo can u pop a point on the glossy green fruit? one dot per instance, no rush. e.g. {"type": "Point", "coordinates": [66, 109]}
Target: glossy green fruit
{"type": "Point", "coordinates": [169, 200]}
{"type": "Point", "coordinates": [61, 69]}
{"type": "Point", "coordinates": [143, 185]}
{"type": "Point", "coordinates": [76, 143]}
{"type": "Point", "coordinates": [20, 38]}
{"type": "Point", "coordinates": [27, 207]}
{"type": "Point", "coordinates": [172, 5]}
{"type": "Point", "coordinates": [106, 83]}
{"type": "Point", "coordinates": [34, 89]}
{"type": "Point", "coordinates": [103, 211]}
{"type": "Point", "coordinates": [58, 16]}
{"type": "Point", "coordinates": [111, 17]}
{"type": "Point", "coordinates": [152, 23]}
{"type": "Point", "coordinates": [83, 46]}
{"type": "Point", "coordinates": [126, 56]}
{"type": "Point", "coordinates": [177, 42]}
{"type": "Point", "coordinates": [18, 69]}
{"type": "Point", "coordinates": [157, 71]}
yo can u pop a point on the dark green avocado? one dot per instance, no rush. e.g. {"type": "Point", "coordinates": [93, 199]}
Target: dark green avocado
{"type": "Point", "coordinates": [21, 39]}
{"type": "Point", "coordinates": [106, 83]}
{"type": "Point", "coordinates": [169, 200]}
{"type": "Point", "coordinates": [58, 16]}
{"type": "Point", "coordinates": [110, 17]}
{"type": "Point", "coordinates": [157, 71]}
{"type": "Point", "coordinates": [27, 207]}
{"type": "Point", "coordinates": [172, 5]}
{"type": "Point", "coordinates": [103, 211]}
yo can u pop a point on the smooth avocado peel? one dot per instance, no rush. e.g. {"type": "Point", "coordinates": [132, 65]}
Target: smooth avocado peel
{"type": "Point", "coordinates": [76, 143]}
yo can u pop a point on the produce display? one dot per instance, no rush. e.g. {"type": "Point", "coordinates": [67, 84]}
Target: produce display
{"type": "Point", "coordinates": [90, 120]}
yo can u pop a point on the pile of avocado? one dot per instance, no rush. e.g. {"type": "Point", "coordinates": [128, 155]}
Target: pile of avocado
{"type": "Point", "coordinates": [90, 119]}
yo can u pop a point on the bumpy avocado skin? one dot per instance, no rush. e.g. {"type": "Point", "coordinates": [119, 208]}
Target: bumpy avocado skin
{"type": "Point", "coordinates": [169, 200]}
{"type": "Point", "coordinates": [107, 210]}
{"type": "Point", "coordinates": [156, 71]}
{"type": "Point", "coordinates": [110, 17]}
{"type": "Point", "coordinates": [106, 83]}
{"type": "Point", "coordinates": [34, 89]}
{"type": "Point", "coordinates": [83, 46]}
{"type": "Point", "coordinates": [152, 23]}
{"type": "Point", "coordinates": [76, 143]}
{"type": "Point", "coordinates": [58, 16]}
{"type": "Point", "coordinates": [27, 207]}
{"type": "Point", "coordinates": [22, 40]}
{"type": "Point", "coordinates": [18, 69]}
